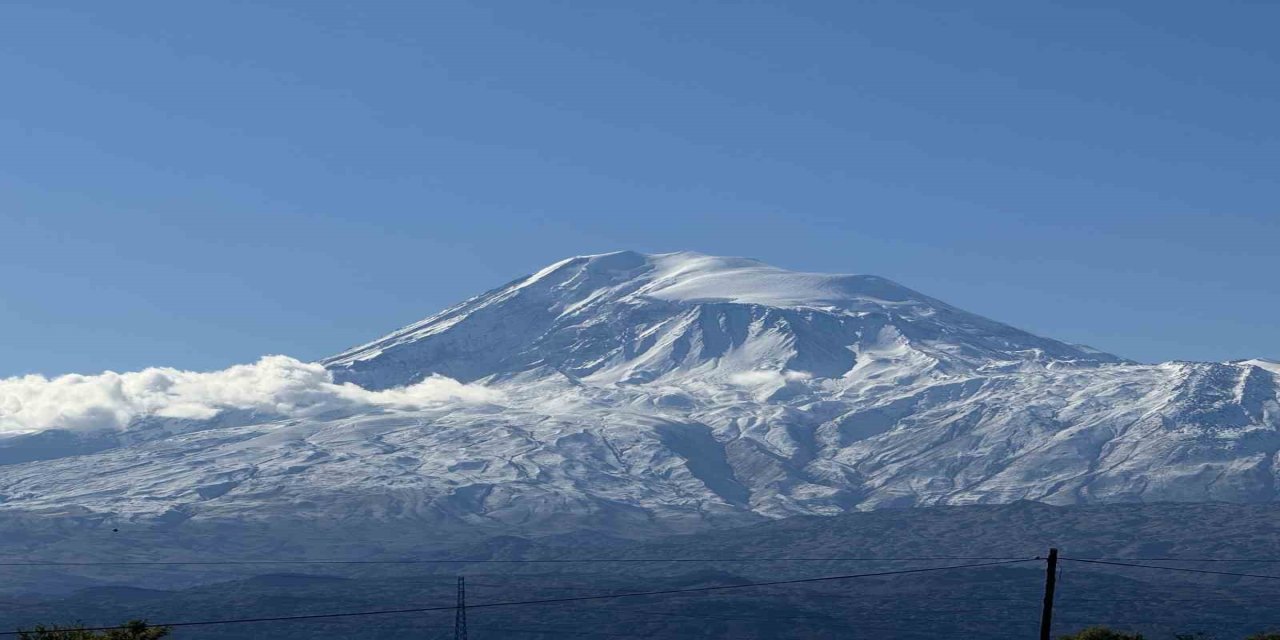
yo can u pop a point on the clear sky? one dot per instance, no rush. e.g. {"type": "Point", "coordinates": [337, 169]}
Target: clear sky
{"type": "Point", "coordinates": [197, 184]}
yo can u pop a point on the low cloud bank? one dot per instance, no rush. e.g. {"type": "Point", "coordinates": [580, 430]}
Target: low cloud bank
{"type": "Point", "coordinates": [275, 384]}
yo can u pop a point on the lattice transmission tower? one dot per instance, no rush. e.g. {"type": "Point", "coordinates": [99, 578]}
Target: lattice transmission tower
{"type": "Point", "coordinates": [460, 612]}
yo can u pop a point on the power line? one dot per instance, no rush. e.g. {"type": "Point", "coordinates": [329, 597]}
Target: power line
{"type": "Point", "coordinates": [356, 614]}
{"type": "Point", "coordinates": [163, 563]}
{"type": "Point", "coordinates": [538, 630]}
{"type": "Point", "coordinates": [1166, 559]}
{"type": "Point", "coordinates": [559, 631]}
{"type": "Point", "coordinates": [1181, 569]}
{"type": "Point", "coordinates": [826, 619]}
{"type": "Point", "coordinates": [1030, 598]}
{"type": "Point", "coordinates": [1157, 599]}
{"type": "Point", "coordinates": [1217, 619]}
{"type": "Point", "coordinates": [1033, 598]}
{"type": "Point", "coordinates": [668, 614]}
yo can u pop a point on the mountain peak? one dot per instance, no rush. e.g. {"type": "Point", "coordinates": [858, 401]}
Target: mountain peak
{"type": "Point", "coordinates": [629, 316]}
{"type": "Point", "coordinates": [688, 276]}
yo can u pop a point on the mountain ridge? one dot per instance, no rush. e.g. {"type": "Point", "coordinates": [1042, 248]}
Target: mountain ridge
{"type": "Point", "coordinates": [625, 393]}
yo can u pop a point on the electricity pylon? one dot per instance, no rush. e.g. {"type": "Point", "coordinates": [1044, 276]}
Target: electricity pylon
{"type": "Point", "coordinates": [460, 612]}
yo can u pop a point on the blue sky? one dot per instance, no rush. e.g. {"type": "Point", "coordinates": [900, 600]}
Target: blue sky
{"type": "Point", "coordinates": [197, 184]}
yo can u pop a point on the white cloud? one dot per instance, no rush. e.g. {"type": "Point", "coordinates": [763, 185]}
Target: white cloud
{"type": "Point", "coordinates": [275, 384]}
{"type": "Point", "coordinates": [763, 377]}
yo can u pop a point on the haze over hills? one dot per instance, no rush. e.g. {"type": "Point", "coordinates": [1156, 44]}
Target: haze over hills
{"type": "Point", "coordinates": [991, 602]}
{"type": "Point", "coordinates": [629, 393]}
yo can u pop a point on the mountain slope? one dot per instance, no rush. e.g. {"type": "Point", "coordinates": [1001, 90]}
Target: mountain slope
{"type": "Point", "coordinates": [630, 392]}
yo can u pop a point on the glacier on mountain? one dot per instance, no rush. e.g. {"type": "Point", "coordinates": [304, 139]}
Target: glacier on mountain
{"type": "Point", "coordinates": [624, 390]}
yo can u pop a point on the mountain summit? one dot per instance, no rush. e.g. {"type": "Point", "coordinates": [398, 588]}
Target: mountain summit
{"type": "Point", "coordinates": [627, 317]}
{"type": "Point", "coordinates": [625, 392]}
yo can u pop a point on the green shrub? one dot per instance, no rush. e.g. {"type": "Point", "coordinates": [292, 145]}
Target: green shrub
{"type": "Point", "coordinates": [131, 630]}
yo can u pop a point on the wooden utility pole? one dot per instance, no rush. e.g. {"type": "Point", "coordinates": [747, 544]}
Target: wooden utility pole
{"type": "Point", "coordinates": [1050, 583]}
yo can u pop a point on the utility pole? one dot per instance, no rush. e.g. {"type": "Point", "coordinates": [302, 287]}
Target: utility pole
{"type": "Point", "coordinates": [1050, 583]}
{"type": "Point", "coordinates": [460, 612]}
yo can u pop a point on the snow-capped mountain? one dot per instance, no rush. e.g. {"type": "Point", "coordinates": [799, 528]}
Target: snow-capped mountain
{"type": "Point", "coordinates": [628, 390]}
{"type": "Point", "coordinates": [627, 318]}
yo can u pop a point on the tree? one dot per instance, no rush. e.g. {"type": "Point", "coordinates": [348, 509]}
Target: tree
{"type": "Point", "coordinates": [131, 630]}
{"type": "Point", "coordinates": [1102, 633]}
